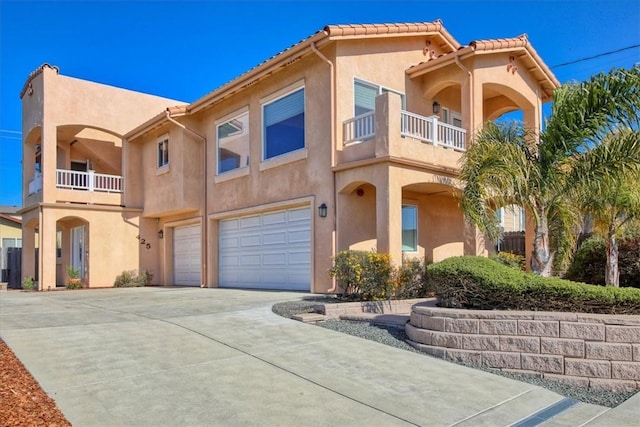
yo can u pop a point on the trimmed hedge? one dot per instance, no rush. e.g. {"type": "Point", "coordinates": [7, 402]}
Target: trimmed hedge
{"type": "Point", "coordinates": [481, 283]}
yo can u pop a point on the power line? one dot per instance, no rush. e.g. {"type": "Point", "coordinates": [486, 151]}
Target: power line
{"type": "Point", "coordinates": [596, 56]}
{"type": "Point", "coordinates": [10, 131]}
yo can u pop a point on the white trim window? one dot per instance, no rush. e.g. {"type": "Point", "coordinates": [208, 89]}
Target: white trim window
{"type": "Point", "coordinates": [451, 117]}
{"type": "Point", "coordinates": [409, 228]}
{"type": "Point", "coordinates": [163, 151]}
{"type": "Point", "coordinates": [232, 135]}
{"type": "Point", "coordinates": [283, 127]}
{"type": "Point", "coordinates": [364, 96]}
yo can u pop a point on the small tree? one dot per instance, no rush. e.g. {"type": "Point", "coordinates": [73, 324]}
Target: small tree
{"type": "Point", "coordinates": [612, 200]}
{"type": "Point", "coordinates": [539, 169]}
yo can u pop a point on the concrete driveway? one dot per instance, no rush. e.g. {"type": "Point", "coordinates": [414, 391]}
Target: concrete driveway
{"type": "Point", "coordinates": [191, 357]}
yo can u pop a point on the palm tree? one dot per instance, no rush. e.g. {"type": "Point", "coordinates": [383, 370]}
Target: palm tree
{"type": "Point", "coordinates": [612, 202]}
{"type": "Point", "coordinates": [539, 170]}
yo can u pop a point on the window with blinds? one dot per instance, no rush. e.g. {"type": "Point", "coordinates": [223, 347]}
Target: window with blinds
{"type": "Point", "coordinates": [364, 96]}
{"type": "Point", "coordinates": [233, 143]}
{"type": "Point", "coordinates": [283, 124]}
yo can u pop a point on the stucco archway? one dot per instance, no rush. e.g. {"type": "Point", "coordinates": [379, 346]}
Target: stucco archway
{"type": "Point", "coordinates": [72, 248]}
{"type": "Point", "coordinates": [357, 216]}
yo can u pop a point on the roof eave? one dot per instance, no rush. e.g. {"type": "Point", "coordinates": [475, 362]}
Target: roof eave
{"type": "Point", "coordinates": [148, 126]}
{"type": "Point", "coordinates": [257, 73]}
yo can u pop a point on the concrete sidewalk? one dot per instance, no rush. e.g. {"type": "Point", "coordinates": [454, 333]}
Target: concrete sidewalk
{"type": "Point", "coordinates": [191, 357]}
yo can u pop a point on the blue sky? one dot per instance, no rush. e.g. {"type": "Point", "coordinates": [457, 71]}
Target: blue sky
{"type": "Point", "coordinates": [182, 50]}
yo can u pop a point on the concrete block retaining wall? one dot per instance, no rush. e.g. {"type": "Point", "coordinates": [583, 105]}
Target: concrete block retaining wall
{"type": "Point", "coordinates": [590, 350]}
{"type": "Point", "coordinates": [335, 311]}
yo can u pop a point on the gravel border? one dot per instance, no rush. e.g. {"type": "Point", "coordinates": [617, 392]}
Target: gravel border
{"type": "Point", "coordinates": [396, 337]}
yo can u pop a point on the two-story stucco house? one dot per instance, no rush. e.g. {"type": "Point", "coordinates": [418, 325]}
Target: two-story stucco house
{"type": "Point", "coordinates": [350, 138]}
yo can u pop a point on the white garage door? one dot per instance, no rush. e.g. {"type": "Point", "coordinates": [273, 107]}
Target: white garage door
{"type": "Point", "coordinates": [186, 255]}
{"type": "Point", "coordinates": [267, 251]}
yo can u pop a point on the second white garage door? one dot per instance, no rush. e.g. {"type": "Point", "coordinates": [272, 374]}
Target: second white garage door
{"type": "Point", "coordinates": [186, 255]}
{"type": "Point", "coordinates": [268, 251]}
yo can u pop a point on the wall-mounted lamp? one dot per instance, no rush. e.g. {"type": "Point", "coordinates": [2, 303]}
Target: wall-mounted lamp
{"type": "Point", "coordinates": [160, 234]}
{"type": "Point", "coordinates": [322, 210]}
{"type": "Point", "coordinates": [436, 107]}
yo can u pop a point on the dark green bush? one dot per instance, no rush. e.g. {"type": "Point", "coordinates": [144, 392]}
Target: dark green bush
{"type": "Point", "coordinates": [410, 279]}
{"type": "Point", "coordinates": [590, 261]}
{"type": "Point", "coordinates": [133, 278]}
{"type": "Point", "coordinates": [480, 283]}
{"type": "Point", "coordinates": [629, 262]}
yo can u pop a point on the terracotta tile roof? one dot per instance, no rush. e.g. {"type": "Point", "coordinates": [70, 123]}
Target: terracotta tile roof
{"type": "Point", "coordinates": [34, 73]}
{"type": "Point", "coordinates": [519, 45]}
{"type": "Point", "coordinates": [177, 110]}
{"type": "Point", "coordinates": [331, 32]}
{"type": "Point", "coordinates": [495, 44]}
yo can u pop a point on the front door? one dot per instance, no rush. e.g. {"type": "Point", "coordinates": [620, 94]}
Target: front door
{"type": "Point", "coordinates": [78, 249]}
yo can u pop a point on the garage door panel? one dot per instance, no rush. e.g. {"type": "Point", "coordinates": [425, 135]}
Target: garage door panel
{"type": "Point", "coordinates": [279, 259]}
{"type": "Point", "coordinates": [299, 236]}
{"type": "Point", "coordinates": [229, 243]}
{"type": "Point", "coordinates": [230, 224]}
{"type": "Point", "coordinates": [299, 257]}
{"type": "Point", "coordinates": [186, 255]}
{"type": "Point", "coordinates": [299, 214]}
{"type": "Point", "coordinates": [248, 241]}
{"type": "Point", "coordinates": [250, 221]}
{"type": "Point", "coordinates": [273, 251]}
{"type": "Point", "coordinates": [229, 261]}
{"type": "Point", "coordinates": [249, 260]}
{"type": "Point", "coordinates": [274, 218]}
{"type": "Point", "coordinates": [274, 238]}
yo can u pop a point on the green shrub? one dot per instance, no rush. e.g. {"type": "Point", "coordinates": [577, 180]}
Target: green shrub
{"type": "Point", "coordinates": [74, 283]}
{"type": "Point", "coordinates": [509, 259]}
{"type": "Point", "coordinates": [590, 261]}
{"type": "Point", "coordinates": [365, 276]}
{"type": "Point", "coordinates": [481, 283]}
{"type": "Point", "coordinates": [411, 280]}
{"type": "Point", "coordinates": [28, 284]}
{"type": "Point", "coordinates": [629, 262]}
{"type": "Point", "coordinates": [370, 276]}
{"type": "Point", "coordinates": [133, 278]}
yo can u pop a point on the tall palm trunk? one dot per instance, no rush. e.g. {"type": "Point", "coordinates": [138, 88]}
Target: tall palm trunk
{"type": "Point", "coordinates": [612, 272]}
{"type": "Point", "coordinates": [542, 259]}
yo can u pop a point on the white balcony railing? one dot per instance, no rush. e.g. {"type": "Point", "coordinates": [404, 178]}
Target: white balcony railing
{"type": "Point", "coordinates": [422, 128]}
{"type": "Point", "coordinates": [88, 181]}
{"type": "Point", "coordinates": [35, 184]}
{"type": "Point", "coordinates": [360, 127]}
{"type": "Point", "coordinates": [426, 129]}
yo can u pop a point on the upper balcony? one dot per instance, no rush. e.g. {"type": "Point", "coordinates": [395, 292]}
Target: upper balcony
{"type": "Point", "coordinates": [392, 132]}
{"type": "Point", "coordinates": [82, 165]}
{"type": "Point", "coordinates": [82, 187]}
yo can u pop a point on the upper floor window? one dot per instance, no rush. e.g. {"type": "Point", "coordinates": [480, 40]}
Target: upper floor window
{"type": "Point", "coordinates": [163, 151]}
{"type": "Point", "coordinates": [232, 134]}
{"type": "Point", "coordinates": [283, 124]}
{"type": "Point", "coordinates": [364, 95]}
{"type": "Point", "coordinates": [409, 228]}
{"type": "Point", "coordinates": [452, 117]}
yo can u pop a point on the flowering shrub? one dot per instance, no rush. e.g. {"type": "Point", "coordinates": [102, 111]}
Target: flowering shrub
{"type": "Point", "coordinates": [510, 260]}
{"type": "Point", "coordinates": [410, 279]}
{"type": "Point", "coordinates": [370, 276]}
{"type": "Point", "coordinates": [133, 278]}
